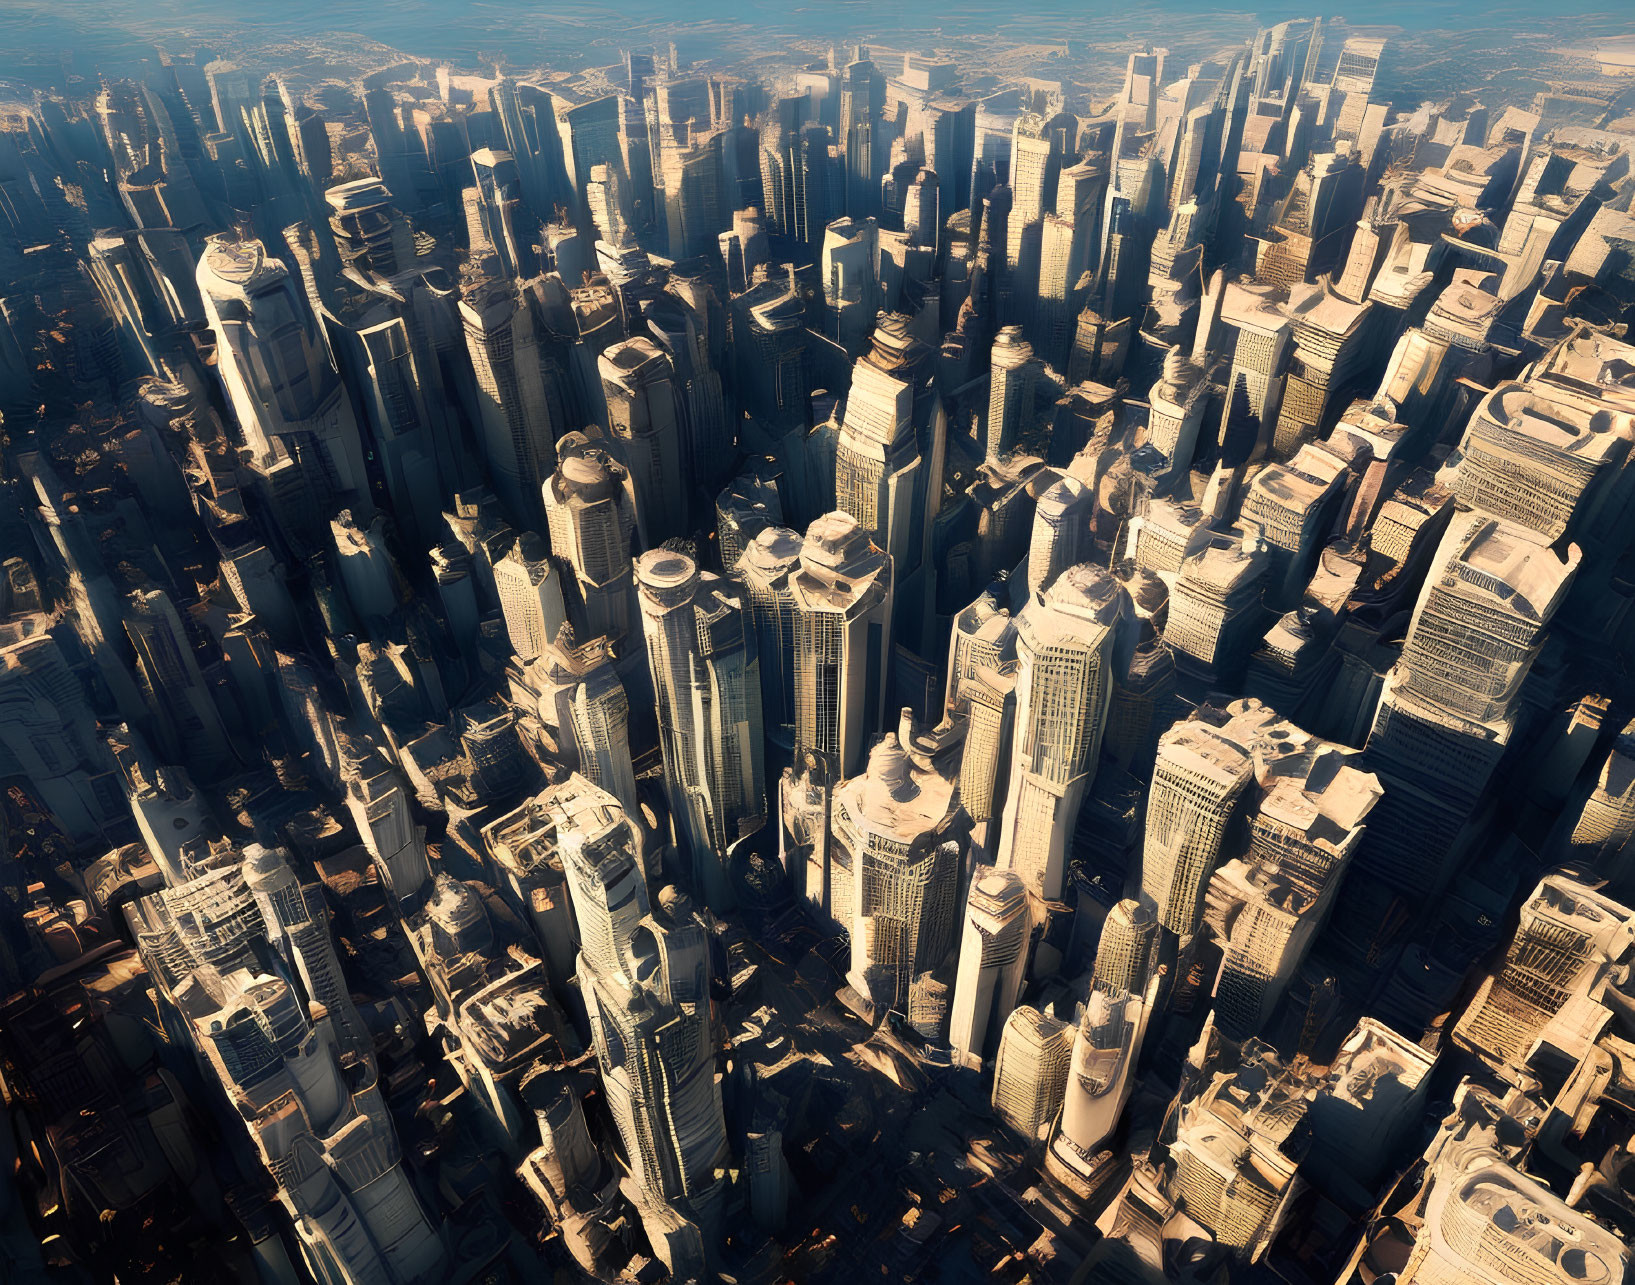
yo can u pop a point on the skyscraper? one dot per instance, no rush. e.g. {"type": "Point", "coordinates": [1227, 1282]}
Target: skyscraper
{"type": "Point", "coordinates": [1200, 774]}
{"type": "Point", "coordinates": [588, 512]}
{"type": "Point", "coordinates": [896, 861]}
{"type": "Point", "coordinates": [842, 611]}
{"type": "Point", "coordinates": [1010, 394]}
{"type": "Point", "coordinates": [1065, 640]}
{"type": "Point", "coordinates": [292, 411]}
{"type": "Point", "coordinates": [638, 381]}
{"type": "Point", "coordinates": [992, 963]}
{"type": "Point", "coordinates": [517, 431]}
{"type": "Point", "coordinates": [1030, 1072]}
{"type": "Point", "coordinates": [701, 648]}
{"type": "Point", "coordinates": [645, 974]}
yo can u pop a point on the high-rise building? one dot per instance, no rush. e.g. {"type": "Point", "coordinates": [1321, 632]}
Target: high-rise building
{"type": "Point", "coordinates": [517, 430]}
{"type": "Point", "coordinates": [1010, 394]}
{"type": "Point", "coordinates": [841, 595]}
{"type": "Point", "coordinates": [877, 463]}
{"type": "Point", "coordinates": [1030, 1072]}
{"type": "Point", "coordinates": [638, 381]}
{"type": "Point", "coordinates": [765, 569]}
{"type": "Point", "coordinates": [1065, 640]}
{"type": "Point", "coordinates": [701, 648]}
{"type": "Point", "coordinates": [589, 515]}
{"type": "Point", "coordinates": [896, 861]}
{"type": "Point", "coordinates": [645, 975]}
{"type": "Point", "coordinates": [1125, 952]}
{"type": "Point", "coordinates": [1100, 1076]}
{"type": "Point", "coordinates": [992, 964]}
{"type": "Point", "coordinates": [1200, 774]}
{"type": "Point", "coordinates": [292, 411]}
{"type": "Point", "coordinates": [530, 593]}
{"type": "Point", "coordinates": [1568, 940]}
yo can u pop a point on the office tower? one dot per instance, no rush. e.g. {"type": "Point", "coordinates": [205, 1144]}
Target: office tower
{"type": "Point", "coordinates": [851, 287]}
{"type": "Point", "coordinates": [48, 737]}
{"type": "Point", "coordinates": [922, 210]}
{"type": "Point", "coordinates": [516, 429]}
{"type": "Point", "coordinates": [701, 649]}
{"type": "Point", "coordinates": [1200, 774]}
{"type": "Point", "coordinates": [1309, 808]}
{"type": "Point", "coordinates": [1375, 1095]}
{"type": "Point", "coordinates": [638, 382]}
{"type": "Point", "coordinates": [370, 234]}
{"type": "Point", "coordinates": [1215, 612]}
{"type": "Point", "coordinates": [365, 566]}
{"type": "Point", "coordinates": [1177, 402]}
{"type": "Point", "coordinates": [1061, 531]}
{"type": "Point", "coordinates": [689, 321]}
{"type": "Point", "coordinates": [1125, 952]}
{"type": "Point", "coordinates": [896, 861]}
{"type": "Point", "coordinates": [1532, 460]}
{"type": "Point", "coordinates": [179, 700]}
{"type": "Point", "coordinates": [583, 712]}
{"type": "Point", "coordinates": [765, 569]}
{"type": "Point", "coordinates": [530, 593]}
{"type": "Point", "coordinates": [1332, 342]}
{"type": "Point", "coordinates": [1260, 337]}
{"type": "Point", "coordinates": [1236, 1147]}
{"type": "Point", "coordinates": [1294, 506]}
{"type": "Point", "coordinates": [744, 248]}
{"type": "Point", "coordinates": [769, 341]}
{"type": "Point", "coordinates": [877, 463]}
{"type": "Point", "coordinates": [589, 516]}
{"type": "Point", "coordinates": [1011, 392]}
{"type": "Point", "coordinates": [1569, 942]}
{"type": "Point", "coordinates": [645, 975]}
{"type": "Point", "coordinates": [1066, 638]}
{"type": "Point", "coordinates": [983, 637]}
{"type": "Point", "coordinates": [862, 95]}
{"type": "Point", "coordinates": [314, 1111]}
{"type": "Point", "coordinates": [841, 595]}
{"type": "Point", "coordinates": [1481, 617]}
{"type": "Point", "coordinates": [1030, 1071]}
{"type": "Point", "coordinates": [293, 414]}
{"type": "Point", "coordinates": [298, 927]}
{"type": "Point", "coordinates": [378, 800]}
{"type": "Point", "coordinates": [1100, 1076]}
{"type": "Point", "coordinates": [588, 135]}
{"type": "Point", "coordinates": [992, 964]}
{"type": "Point", "coordinates": [525, 849]}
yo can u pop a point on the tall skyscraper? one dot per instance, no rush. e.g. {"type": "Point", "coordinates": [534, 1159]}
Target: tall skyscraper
{"type": "Point", "coordinates": [517, 430]}
{"type": "Point", "coordinates": [1100, 1076]}
{"type": "Point", "coordinates": [992, 964]}
{"type": "Point", "coordinates": [645, 975]}
{"type": "Point", "coordinates": [292, 411]}
{"type": "Point", "coordinates": [589, 514]}
{"type": "Point", "coordinates": [1030, 1072]}
{"type": "Point", "coordinates": [1065, 640]}
{"type": "Point", "coordinates": [1010, 394]}
{"type": "Point", "coordinates": [638, 382]}
{"type": "Point", "coordinates": [701, 648]}
{"type": "Point", "coordinates": [1200, 774]}
{"type": "Point", "coordinates": [530, 593]}
{"type": "Point", "coordinates": [842, 612]}
{"type": "Point", "coordinates": [899, 846]}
